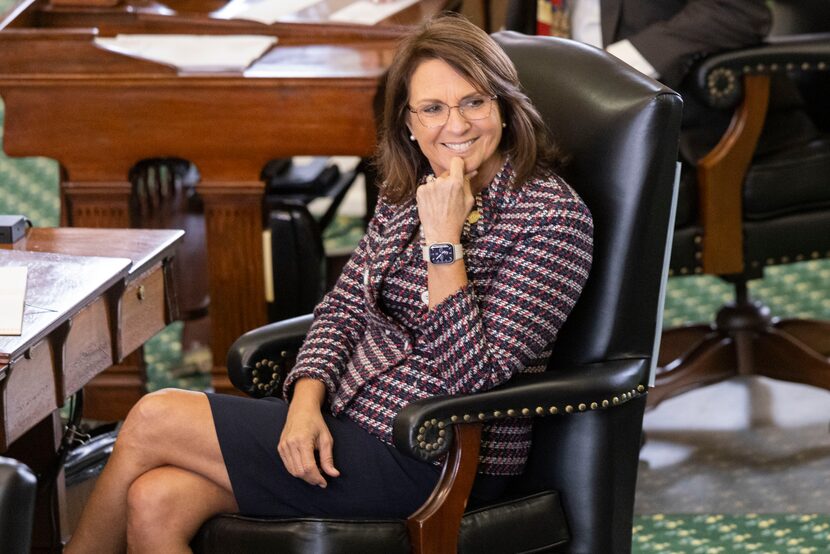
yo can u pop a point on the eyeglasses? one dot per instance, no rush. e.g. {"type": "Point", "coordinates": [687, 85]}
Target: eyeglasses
{"type": "Point", "coordinates": [437, 114]}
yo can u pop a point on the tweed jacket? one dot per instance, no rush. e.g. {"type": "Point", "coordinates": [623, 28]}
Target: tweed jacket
{"type": "Point", "coordinates": [377, 347]}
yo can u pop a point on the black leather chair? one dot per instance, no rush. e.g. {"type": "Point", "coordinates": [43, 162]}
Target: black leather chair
{"type": "Point", "coordinates": [18, 488]}
{"type": "Point", "coordinates": [577, 493]}
{"type": "Point", "coordinates": [760, 197]}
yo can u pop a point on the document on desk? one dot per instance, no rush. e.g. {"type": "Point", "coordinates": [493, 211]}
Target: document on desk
{"type": "Point", "coordinates": [264, 11]}
{"type": "Point", "coordinates": [12, 299]}
{"type": "Point", "coordinates": [193, 53]}
{"type": "Point", "coordinates": [369, 12]}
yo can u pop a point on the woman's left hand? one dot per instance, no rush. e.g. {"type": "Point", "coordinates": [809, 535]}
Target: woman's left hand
{"type": "Point", "coordinates": [444, 203]}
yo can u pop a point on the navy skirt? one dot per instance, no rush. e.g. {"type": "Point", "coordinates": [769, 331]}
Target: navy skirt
{"type": "Point", "coordinates": [376, 480]}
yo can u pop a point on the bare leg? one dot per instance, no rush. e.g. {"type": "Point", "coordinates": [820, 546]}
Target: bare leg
{"type": "Point", "coordinates": [166, 428]}
{"type": "Point", "coordinates": [167, 505]}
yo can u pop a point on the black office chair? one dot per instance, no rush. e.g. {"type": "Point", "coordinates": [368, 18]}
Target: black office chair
{"type": "Point", "coordinates": [760, 198]}
{"type": "Point", "coordinates": [577, 492]}
{"type": "Point", "coordinates": [18, 488]}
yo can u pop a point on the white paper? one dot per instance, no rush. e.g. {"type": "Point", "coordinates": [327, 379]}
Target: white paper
{"type": "Point", "coordinates": [367, 12]}
{"type": "Point", "coordinates": [12, 299]}
{"type": "Point", "coordinates": [193, 53]}
{"type": "Point", "coordinates": [264, 11]}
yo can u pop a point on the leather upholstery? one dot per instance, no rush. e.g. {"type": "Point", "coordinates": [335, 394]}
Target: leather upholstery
{"type": "Point", "coordinates": [620, 130]}
{"type": "Point", "coordinates": [18, 487]}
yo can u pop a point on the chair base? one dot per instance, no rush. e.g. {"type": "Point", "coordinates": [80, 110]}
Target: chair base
{"type": "Point", "coordinates": [744, 340]}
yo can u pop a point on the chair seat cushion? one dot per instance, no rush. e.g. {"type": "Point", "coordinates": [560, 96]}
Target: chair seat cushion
{"type": "Point", "coordinates": [790, 181]}
{"type": "Point", "coordinates": [490, 529]}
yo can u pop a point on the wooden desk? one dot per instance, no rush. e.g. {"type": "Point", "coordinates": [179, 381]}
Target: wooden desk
{"type": "Point", "coordinates": [98, 113]}
{"type": "Point", "coordinates": [82, 315]}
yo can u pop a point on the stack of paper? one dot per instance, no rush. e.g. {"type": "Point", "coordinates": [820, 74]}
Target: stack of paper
{"type": "Point", "coordinates": [370, 12]}
{"type": "Point", "coordinates": [193, 53]}
{"type": "Point", "coordinates": [12, 299]}
{"type": "Point", "coordinates": [264, 11]}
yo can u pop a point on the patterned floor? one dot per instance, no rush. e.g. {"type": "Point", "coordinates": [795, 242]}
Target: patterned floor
{"type": "Point", "coordinates": [762, 461]}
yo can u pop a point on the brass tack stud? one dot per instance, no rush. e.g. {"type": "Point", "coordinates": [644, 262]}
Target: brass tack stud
{"type": "Point", "coordinates": [441, 424]}
{"type": "Point", "coordinates": [423, 429]}
{"type": "Point", "coordinates": [605, 403]}
{"type": "Point", "coordinates": [429, 447]}
{"type": "Point", "coordinates": [822, 66]}
{"type": "Point", "coordinates": [540, 410]}
{"type": "Point", "coordinates": [582, 407]}
{"type": "Point", "coordinates": [790, 66]}
{"type": "Point", "coordinates": [594, 405]}
{"type": "Point", "coordinates": [641, 388]}
{"type": "Point", "coordinates": [805, 66]}
{"type": "Point", "coordinates": [454, 418]}
{"type": "Point", "coordinates": [440, 440]}
{"type": "Point", "coordinates": [427, 424]}
{"type": "Point", "coordinates": [481, 416]}
{"type": "Point", "coordinates": [615, 400]}
{"type": "Point", "coordinates": [684, 270]}
{"type": "Point", "coordinates": [698, 270]}
{"type": "Point", "coordinates": [554, 410]}
{"type": "Point", "coordinates": [422, 444]}
{"type": "Point", "coordinates": [511, 412]}
{"type": "Point", "coordinates": [569, 409]}
{"type": "Point", "coordinates": [442, 433]}
{"type": "Point", "coordinates": [258, 364]}
{"type": "Point", "coordinates": [497, 413]}
{"type": "Point", "coordinates": [467, 417]}
{"type": "Point", "coordinates": [698, 239]}
{"type": "Point", "coordinates": [785, 259]}
{"type": "Point", "coordinates": [433, 421]}
{"type": "Point", "coordinates": [256, 380]}
{"type": "Point", "coordinates": [420, 438]}
{"type": "Point", "coordinates": [525, 411]}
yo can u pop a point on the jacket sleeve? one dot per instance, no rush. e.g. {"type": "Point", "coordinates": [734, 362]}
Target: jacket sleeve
{"type": "Point", "coordinates": [339, 322]}
{"type": "Point", "coordinates": [701, 28]}
{"type": "Point", "coordinates": [479, 341]}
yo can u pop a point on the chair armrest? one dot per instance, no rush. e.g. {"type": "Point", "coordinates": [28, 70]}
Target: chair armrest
{"type": "Point", "coordinates": [259, 359]}
{"type": "Point", "coordinates": [717, 80]}
{"type": "Point", "coordinates": [424, 428]}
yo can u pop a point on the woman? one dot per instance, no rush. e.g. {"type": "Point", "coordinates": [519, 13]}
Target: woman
{"type": "Point", "coordinates": [475, 256]}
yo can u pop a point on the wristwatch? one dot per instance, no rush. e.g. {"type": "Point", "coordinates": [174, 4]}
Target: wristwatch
{"type": "Point", "coordinates": [443, 253]}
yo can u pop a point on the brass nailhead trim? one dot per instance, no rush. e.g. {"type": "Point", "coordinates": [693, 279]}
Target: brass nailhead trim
{"type": "Point", "coordinates": [605, 403]}
{"type": "Point", "coordinates": [594, 405]}
{"type": "Point", "coordinates": [481, 417]}
{"type": "Point", "coordinates": [540, 410]}
{"type": "Point", "coordinates": [454, 418]}
{"type": "Point", "coordinates": [582, 407]}
{"type": "Point", "coordinates": [569, 409]}
{"type": "Point", "coordinates": [554, 410]}
{"type": "Point", "coordinates": [641, 388]}
{"type": "Point", "coordinates": [497, 413]}
{"type": "Point", "coordinates": [467, 417]}
{"type": "Point", "coordinates": [511, 412]}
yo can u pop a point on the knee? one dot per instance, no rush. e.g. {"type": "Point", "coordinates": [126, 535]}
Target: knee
{"type": "Point", "coordinates": [150, 503]}
{"type": "Point", "coordinates": [150, 419]}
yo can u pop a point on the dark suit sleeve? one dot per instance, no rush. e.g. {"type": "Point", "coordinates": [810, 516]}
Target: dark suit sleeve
{"type": "Point", "coordinates": [701, 28]}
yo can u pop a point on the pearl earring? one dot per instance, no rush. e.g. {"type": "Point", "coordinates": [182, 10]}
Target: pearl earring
{"type": "Point", "coordinates": [503, 124]}
{"type": "Point", "coordinates": [412, 137]}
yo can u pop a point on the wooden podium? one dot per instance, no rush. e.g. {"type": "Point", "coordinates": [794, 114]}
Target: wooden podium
{"type": "Point", "coordinates": [98, 113]}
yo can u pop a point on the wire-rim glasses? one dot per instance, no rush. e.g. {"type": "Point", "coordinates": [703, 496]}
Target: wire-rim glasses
{"type": "Point", "coordinates": [436, 114]}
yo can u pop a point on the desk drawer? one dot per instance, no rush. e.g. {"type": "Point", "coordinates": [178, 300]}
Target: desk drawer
{"type": "Point", "coordinates": [143, 311]}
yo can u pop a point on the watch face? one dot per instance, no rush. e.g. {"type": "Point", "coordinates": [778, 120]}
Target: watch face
{"type": "Point", "coordinates": [441, 253]}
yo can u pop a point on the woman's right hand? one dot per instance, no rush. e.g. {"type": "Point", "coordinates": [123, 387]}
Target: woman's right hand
{"type": "Point", "coordinates": [305, 432]}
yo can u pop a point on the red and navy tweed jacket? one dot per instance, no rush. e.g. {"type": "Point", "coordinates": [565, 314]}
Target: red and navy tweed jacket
{"type": "Point", "coordinates": [377, 347]}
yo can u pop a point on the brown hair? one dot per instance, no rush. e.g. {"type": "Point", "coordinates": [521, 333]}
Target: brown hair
{"type": "Point", "coordinates": [473, 54]}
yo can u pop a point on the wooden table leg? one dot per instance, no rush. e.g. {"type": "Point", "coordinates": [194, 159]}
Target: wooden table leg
{"type": "Point", "coordinates": [233, 225]}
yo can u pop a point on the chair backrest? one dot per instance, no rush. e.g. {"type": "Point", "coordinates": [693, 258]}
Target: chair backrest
{"type": "Point", "coordinates": [17, 506]}
{"type": "Point", "coordinates": [620, 130]}
{"type": "Point", "coordinates": [798, 17]}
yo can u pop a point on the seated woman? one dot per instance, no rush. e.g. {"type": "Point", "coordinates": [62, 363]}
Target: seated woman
{"type": "Point", "coordinates": [474, 258]}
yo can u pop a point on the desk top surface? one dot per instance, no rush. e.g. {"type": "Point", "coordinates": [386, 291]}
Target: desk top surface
{"type": "Point", "coordinates": [39, 39]}
{"type": "Point", "coordinates": [58, 286]}
{"type": "Point", "coordinates": [70, 267]}
{"type": "Point", "coordinates": [143, 247]}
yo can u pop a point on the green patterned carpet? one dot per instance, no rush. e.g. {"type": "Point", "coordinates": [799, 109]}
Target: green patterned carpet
{"type": "Point", "coordinates": [30, 187]}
